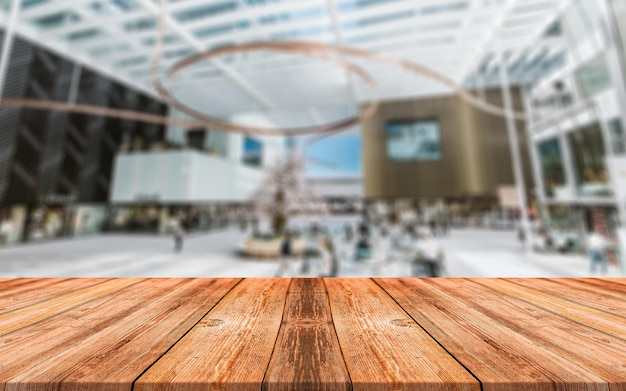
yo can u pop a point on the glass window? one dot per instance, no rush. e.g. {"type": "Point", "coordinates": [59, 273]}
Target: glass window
{"type": "Point", "coordinates": [593, 77]}
{"type": "Point", "coordinates": [618, 136]}
{"type": "Point", "coordinates": [551, 164]}
{"type": "Point", "coordinates": [57, 19]}
{"type": "Point", "coordinates": [588, 155]}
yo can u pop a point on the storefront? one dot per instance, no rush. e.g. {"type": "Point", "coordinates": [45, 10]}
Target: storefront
{"type": "Point", "coordinates": [12, 221]}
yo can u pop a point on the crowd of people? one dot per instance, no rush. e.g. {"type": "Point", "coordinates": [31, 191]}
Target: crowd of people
{"type": "Point", "coordinates": [365, 243]}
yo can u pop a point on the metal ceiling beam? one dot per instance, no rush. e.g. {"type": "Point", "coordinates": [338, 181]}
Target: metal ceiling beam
{"type": "Point", "coordinates": [484, 46]}
{"type": "Point", "coordinates": [230, 73]}
{"type": "Point", "coordinates": [50, 8]}
{"type": "Point", "coordinates": [30, 33]}
{"type": "Point", "coordinates": [334, 19]}
{"type": "Point", "coordinates": [530, 39]}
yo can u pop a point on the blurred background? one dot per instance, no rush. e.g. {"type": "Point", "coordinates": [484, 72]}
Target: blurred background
{"type": "Point", "coordinates": [430, 185]}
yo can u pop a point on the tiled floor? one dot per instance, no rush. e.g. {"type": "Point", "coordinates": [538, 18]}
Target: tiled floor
{"type": "Point", "coordinates": [469, 253]}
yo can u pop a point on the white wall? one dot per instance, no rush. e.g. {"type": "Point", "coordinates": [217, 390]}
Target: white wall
{"type": "Point", "coordinates": [181, 177]}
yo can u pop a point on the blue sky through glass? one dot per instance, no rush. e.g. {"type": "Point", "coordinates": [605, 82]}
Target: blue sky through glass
{"type": "Point", "coordinates": [342, 150]}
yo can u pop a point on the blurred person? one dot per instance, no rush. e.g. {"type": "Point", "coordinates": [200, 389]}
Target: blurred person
{"type": "Point", "coordinates": [445, 226]}
{"type": "Point", "coordinates": [521, 237]}
{"type": "Point", "coordinates": [286, 251]}
{"type": "Point", "coordinates": [428, 255]}
{"type": "Point", "coordinates": [433, 227]}
{"type": "Point", "coordinates": [331, 260]}
{"type": "Point", "coordinates": [243, 222]}
{"type": "Point", "coordinates": [312, 248]}
{"type": "Point", "coordinates": [179, 235]}
{"type": "Point", "coordinates": [364, 228]}
{"type": "Point", "coordinates": [596, 246]}
{"type": "Point", "coordinates": [348, 232]}
{"type": "Point", "coordinates": [363, 248]}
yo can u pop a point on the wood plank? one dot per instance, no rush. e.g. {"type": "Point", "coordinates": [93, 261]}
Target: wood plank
{"type": "Point", "coordinates": [307, 353]}
{"type": "Point", "coordinates": [24, 316]}
{"type": "Point", "coordinates": [595, 351]}
{"type": "Point", "coordinates": [607, 286]}
{"type": "Point", "coordinates": [307, 285]}
{"type": "Point", "coordinates": [112, 357]}
{"type": "Point", "coordinates": [592, 298]}
{"type": "Point", "coordinates": [604, 288]}
{"type": "Point", "coordinates": [7, 284]}
{"type": "Point", "coordinates": [9, 288]}
{"type": "Point", "coordinates": [383, 348]}
{"type": "Point", "coordinates": [501, 358]}
{"type": "Point", "coordinates": [230, 348]}
{"type": "Point", "coordinates": [597, 319]}
{"type": "Point", "coordinates": [42, 290]}
{"type": "Point", "coordinates": [28, 347]}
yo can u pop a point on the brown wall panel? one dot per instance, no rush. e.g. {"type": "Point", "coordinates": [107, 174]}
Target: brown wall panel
{"type": "Point", "coordinates": [476, 158]}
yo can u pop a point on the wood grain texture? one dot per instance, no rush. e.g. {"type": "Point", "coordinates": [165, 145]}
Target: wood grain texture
{"type": "Point", "coordinates": [500, 357]}
{"type": "Point", "coordinates": [231, 346]}
{"type": "Point", "coordinates": [600, 355]}
{"type": "Point", "coordinates": [597, 319]}
{"type": "Point", "coordinates": [114, 356]}
{"type": "Point", "coordinates": [312, 334]}
{"type": "Point", "coordinates": [608, 287]}
{"type": "Point", "coordinates": [307, 285]}
{"type": "Point", "coordinates": [38, 291]}
{"type": "Point", "coordinates": [593, 298]}
{"type": "Point", "coordinates": [52, 337]}
{"type": "Point", "coordinates": [383, 348]}
{"type": "Point", "coordinates": [307, 355]}
{"type": "Point", "coordinates": [56, 304]}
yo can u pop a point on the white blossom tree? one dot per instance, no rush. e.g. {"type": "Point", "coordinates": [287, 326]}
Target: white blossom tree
{"type": "Point", "coordinates": [284, 193]}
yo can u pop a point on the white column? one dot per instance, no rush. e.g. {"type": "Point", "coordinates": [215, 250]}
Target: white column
{"type": "Point", "coordinates": [532, 148]}
{"type": "Point", "coordinates": [515, 150]}
{"type": "Point", "coordinates": [7, 43]}
{"type": "Point", "coordinates": [567, 161]}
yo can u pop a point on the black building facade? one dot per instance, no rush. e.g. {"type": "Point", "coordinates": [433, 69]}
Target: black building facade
{"type": "Point", "coordinates": [51, 159]}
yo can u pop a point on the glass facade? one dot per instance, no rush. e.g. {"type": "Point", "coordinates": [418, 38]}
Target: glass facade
{"type": "Point", "coordinates": [593, 77]}
{"type": "Point", "coordinates": [588, 154]}
{"type": "Point", "coordinates": [551, 164]}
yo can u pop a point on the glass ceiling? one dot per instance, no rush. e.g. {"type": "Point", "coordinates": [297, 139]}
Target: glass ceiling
{"type": "Point", "coordinates": [456, 37]}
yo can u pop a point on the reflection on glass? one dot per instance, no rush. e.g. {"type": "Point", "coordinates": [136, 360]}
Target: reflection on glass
{"type": "Point", "coordinates": [588, 156]}
{"type": "Point", "coordinates": [551, 165]}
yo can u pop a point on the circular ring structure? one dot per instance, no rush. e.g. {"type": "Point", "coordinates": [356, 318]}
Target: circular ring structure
{"type": "Point", "coordinates": [318, 50]}
{"type": "Point", "coordinates": [293, 47]}
{"type": "Point", "coordinates": [327, 53]}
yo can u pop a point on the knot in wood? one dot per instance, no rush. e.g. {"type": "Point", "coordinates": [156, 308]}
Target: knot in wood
{"type": "Point", "coordinates": [403, 323]}
{"type": "Point", "coordinates": [211, 322]}
{"type": "Point", "coordinates": [307, 322]}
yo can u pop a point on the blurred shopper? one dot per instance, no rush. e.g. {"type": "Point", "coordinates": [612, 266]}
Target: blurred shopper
{"type": "Point", "coordinates": [521, 236]}
{"type": "Point", "coordinates": [433, 227]}
{"type": "Point", "coordinates": [445, 226]}
{"type": "Point", "coordinates": [286, 251]}
{"type": "Point", "coordinates": [243, 222]}
{"type": "Point", "coordinates": [179, 235]}
{"type": "Point", "coordinates": [596, 246]}
{"type": "Point", "coordinates": [364, 229]}
{"type": "Point", "coordinates": [363, 249]}
{"type": "Point", "coordinates": [348, 232]}
{"type": "Point", "coordinates": [331, 260]}
{"type": "Point", "coordinates": [312, 248]}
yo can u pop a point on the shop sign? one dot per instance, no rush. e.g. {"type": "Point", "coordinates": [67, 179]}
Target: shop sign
{"type": "Point", "coordinates": [508, 197]}
{"type": "Point", "coordinates": [52, 198]}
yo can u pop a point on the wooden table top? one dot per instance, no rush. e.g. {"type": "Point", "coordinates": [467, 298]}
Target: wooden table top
{"type": "Point", "coordinates": [310, 334]}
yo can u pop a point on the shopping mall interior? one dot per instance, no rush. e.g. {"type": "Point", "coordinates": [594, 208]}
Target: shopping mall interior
{"type": "Point", "coordinates": [308, 138]}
